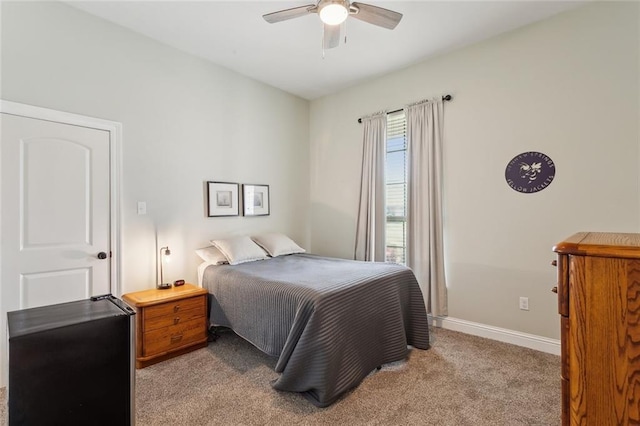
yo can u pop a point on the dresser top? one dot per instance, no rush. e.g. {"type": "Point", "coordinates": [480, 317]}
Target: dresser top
{"type": "Point", "coordinates": [150, 297]}
{"type": "Point", "coordinates": [604, 244]}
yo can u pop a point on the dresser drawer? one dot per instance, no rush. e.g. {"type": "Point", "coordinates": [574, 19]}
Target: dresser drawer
{"type": "Point", "coordinates": [174, 307]}
{"type": "Point", "coordinates": [180, 317]}
{"type": "Point", "coordinates": [173, 337]}
{"type": "Point", "coordinates": [564, 347]}
{"type": "Point", "coordinates": [563, 284]}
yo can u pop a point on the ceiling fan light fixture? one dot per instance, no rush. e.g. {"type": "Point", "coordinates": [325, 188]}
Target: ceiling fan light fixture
{"type": "Point", "coordinates": [334, 13]}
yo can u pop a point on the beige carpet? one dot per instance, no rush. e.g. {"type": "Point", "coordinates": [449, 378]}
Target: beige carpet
{"type": "Point", "coordinates": [461, 380]}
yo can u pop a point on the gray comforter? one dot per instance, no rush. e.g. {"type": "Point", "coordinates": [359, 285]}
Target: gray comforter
{"type": "Point", "coordinates": [329, 321]}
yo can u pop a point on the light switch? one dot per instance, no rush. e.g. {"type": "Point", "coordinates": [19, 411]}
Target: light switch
{"type": "Point", "coordinates": [142, 207]}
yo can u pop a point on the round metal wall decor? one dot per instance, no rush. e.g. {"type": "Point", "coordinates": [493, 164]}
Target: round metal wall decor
{"type": "Point", "coordinates": [530, 172]}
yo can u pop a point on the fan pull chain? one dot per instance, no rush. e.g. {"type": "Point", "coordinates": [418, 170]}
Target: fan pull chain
{"type": "Point", "coordinates": [344, 27]}
{"type": "Point", "coordinates": [322, 41]}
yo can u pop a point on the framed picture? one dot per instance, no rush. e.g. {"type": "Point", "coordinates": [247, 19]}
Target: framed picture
{"type": "Point", "coordinates": [222, 199]}
{"type": "Point", "coordinates": [255, 199]}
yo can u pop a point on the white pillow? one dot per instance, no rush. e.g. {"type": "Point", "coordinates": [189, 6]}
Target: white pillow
{"type": "Point", "coordinates": [277, 244]}
{"type": "Point", "coordinates": [212, 255]}
{"type": "Point", "coordinates": [239, 250]}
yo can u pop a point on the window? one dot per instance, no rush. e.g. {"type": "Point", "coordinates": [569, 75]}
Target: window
{"type": "Point", "coordinates": [396, 188]}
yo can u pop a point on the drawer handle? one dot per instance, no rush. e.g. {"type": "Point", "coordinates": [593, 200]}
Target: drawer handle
{"type": "Point", "coordinates": [554, 290]}
{"type": "Point", "coordinates": [176, 308]}
{"type": "Point", "coordinates": [554, 263]}
{"type": "Point", "coordinates": [176, 320]}
{"type": "Point", "coordinates": [176, 338]}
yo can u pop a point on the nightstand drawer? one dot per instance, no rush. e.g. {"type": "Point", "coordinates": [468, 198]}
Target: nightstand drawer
{"type": "Point", "coordinates": [172, 337]}
{"type": "Point", "coordinates": [174, 319]}
{"type": "Point", "coordinates": [174, 307]}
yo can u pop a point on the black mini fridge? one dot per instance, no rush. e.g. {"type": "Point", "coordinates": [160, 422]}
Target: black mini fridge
{"type": "Point", "coordinates": [72, 364]}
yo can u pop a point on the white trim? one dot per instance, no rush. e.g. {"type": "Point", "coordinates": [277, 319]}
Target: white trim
{"type": "Point", "coordinates": [531, 341]}
{"type": "Point", "coordinates": [115, 168]}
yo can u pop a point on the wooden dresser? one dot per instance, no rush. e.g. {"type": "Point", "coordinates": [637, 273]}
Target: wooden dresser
{"type": "Point", "coordinates": [599, 303]}
{"type": "Point", "coordinates": [168, 322]}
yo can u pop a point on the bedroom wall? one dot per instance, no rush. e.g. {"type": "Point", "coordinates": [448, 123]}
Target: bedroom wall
{"type": "Point", "coordinates": [185, 121]}
{"type": "Point", "coordinates": [568, 87]}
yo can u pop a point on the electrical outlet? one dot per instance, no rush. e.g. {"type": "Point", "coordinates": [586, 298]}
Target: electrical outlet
{"type": "Point", "coordinates": [524, 303]}
{"type": "Point", "coordinates": [142, 207]}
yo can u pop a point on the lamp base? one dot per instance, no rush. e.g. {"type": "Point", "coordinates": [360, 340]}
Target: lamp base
{"type": "Point", "coordinates": [164, 286]}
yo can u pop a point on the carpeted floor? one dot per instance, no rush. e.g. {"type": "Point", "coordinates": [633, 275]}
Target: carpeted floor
{"type": "Point", "coordinates": [461, 380]}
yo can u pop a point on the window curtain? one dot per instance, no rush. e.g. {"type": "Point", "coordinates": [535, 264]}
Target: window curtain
{"type": "Point", "coordinates": [370, 244]}
{"type": "Point", "coordinates": [425, 246]}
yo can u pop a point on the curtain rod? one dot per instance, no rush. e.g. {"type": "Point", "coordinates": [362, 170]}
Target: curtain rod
{"type": "Point", "coordinates": [444, 98]}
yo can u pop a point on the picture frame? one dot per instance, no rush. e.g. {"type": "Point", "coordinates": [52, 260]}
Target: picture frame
{"type": "Point", "coordinates": [223, 199]}
{"type": "Point", "coordinates": [255, 200]}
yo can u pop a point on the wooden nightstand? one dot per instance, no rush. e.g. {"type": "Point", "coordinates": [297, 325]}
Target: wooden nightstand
{"type": "Point", "coordinates": [168, 322]}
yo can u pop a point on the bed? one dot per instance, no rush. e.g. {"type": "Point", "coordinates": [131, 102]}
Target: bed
{"type": "Point", "coordinates": [330, 322]}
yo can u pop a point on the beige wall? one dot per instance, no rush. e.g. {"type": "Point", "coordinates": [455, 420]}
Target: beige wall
{"type": "Point", "coordinates": [185, 121]}
{"type": "Point", "coordinates": [568, 87]}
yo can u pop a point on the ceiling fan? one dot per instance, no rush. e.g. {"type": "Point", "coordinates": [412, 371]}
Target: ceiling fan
{"type": "Point", "coordinates": [334, 12]}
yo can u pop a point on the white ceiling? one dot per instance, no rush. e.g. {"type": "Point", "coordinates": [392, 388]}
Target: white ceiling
{"type": "Point", "coordinates": [288, 55]}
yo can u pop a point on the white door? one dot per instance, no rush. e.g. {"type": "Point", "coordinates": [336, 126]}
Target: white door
{"type": "Point", "coordinates": [55, 221]}
{"type": "Point", "coordinates": [55, 212]}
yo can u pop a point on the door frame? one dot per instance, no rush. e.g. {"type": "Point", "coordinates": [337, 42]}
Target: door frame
{"type": "Point", "coordinates": [115, 191]}
{"type": "Point", "coordinates": [115, 169]}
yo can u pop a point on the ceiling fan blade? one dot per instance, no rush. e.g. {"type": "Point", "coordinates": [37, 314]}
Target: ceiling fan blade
{"type": "Point", "coordinates": [331, 36]}
{"type": "Point", "coordinates": [296, 12]}
{"type": "Point", "coordinates": [375, 15]}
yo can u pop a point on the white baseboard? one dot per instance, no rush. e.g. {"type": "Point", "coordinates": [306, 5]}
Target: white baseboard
{"type": "Point", "coordinates": [531, 341]}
